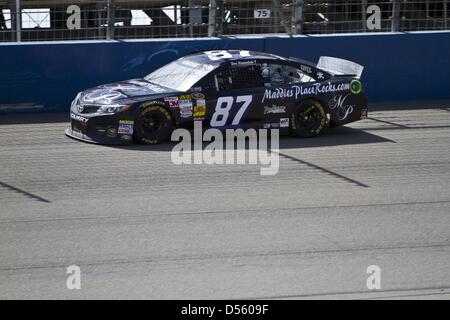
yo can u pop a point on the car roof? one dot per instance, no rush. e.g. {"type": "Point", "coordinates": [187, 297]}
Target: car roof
{"type": "Point", "coordinates": [222, 56]}
{"type": "Point", "coordinates": [218, 58]}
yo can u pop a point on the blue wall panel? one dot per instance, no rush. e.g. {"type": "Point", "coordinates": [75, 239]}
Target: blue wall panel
{"type": "Point", "coordinates": [413, 66]}
{"type": "Point", "coordinates": [51, 74]}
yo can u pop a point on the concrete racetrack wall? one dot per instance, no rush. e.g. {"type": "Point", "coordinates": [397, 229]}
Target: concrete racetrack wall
{"type": "Point", "coordinates": [41, 76]}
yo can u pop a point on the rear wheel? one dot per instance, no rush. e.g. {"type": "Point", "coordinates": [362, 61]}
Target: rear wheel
{"type": "Point", "coordinates": [153, 125]}
{"type": "Point", "coordinates": [308, 119]}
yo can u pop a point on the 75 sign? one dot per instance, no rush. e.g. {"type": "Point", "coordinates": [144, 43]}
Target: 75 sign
{"type": "Point", "coordinates": [261, 14]}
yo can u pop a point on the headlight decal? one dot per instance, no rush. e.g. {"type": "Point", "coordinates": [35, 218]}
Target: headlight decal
{"type": "Point", "coordinates": [110, 109]}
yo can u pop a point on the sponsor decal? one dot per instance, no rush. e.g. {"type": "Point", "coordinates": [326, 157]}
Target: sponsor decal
{"type": "Point", "coordinates": [355, 86]}
{"type": "Point", "coordinates": [284, 122]}
{"type": "Point", "coordinates": [186, 112]}
{"type": "Point", "coordinates": [198, 95]}
{"type": "Point", "coordinates": [364, 113]}
{"type": "Point", "coordinates": [297, 91]}
{"type": "Point", "coordinates": [306, 69]}
{"type": "Point", "coordinates": [111, 132]}
{"type": "Point", "coordinates": [185, 97]}
{"type": "Point", "coordinates": [151, 103]}
{"type": "Point", "coordinates": [342, 110]}
{"type": "Point", "coordinates": [201, 103]}
{"type": "Point", "coordinates": [274, 109]}
{"type": "Point", "coordinates": [244, 63]}
{"type": "Point", "coordinates": [78, 118]}
{"type": "Point", "coordinates": [320, 75]}
{"type": "Point", "coordinates": [275, 125]}
{"type": "Point", "coordinates": [125, 127]}
{"type": "Point", "coordinates": [199, 111]}
{"type": "Point", "coordinates": [125, 137]}
{"type": "Point", "coordinates": [126, 122]}
{"type": "Point", "coordinates": [186, 107]}
{"type": "Point", "coordinates": [172, 101]}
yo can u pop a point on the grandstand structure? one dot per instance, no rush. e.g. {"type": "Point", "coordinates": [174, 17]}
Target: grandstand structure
{"type": "Point", "coordinates": [50, 20]}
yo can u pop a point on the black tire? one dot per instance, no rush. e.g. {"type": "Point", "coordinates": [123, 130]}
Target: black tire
{"type": "Point", "coordinates": [307, 119]}
{"type": "Point", "coordinates": [153, 124]}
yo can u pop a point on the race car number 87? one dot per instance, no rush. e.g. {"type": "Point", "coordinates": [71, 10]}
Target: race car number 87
{"type": "Point", "coordinates": [223, 108]}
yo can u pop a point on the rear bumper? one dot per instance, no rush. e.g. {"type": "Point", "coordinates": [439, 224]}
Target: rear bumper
{"type": "Point", "coordinates": [349, 108]}
{"type": "Point", "coordinates": [364, 113]}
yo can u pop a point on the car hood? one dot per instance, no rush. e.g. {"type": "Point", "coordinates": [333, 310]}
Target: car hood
{"type": "Point", "coordinates": [134, 89]}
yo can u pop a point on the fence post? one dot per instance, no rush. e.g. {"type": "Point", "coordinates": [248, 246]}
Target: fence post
{"type": "Point", "coordinates": [277, 8]}
{"type": "Point", "coordinates": [395, 27]}
{"type": "Point", "coordinates": [191, 18]}
{"type": "Point", "coordinates": [364, 15]}
{"type": "Point", "coordinates": [298, 16]}
{"type": "Point", "coordinates": [18, 21]}
{"type": "Point", "coordinates": [111, 12]}
{"type": "Point", "coordinates": [212, 18]}
{"type": "Point", "coordinates": [445, 14]}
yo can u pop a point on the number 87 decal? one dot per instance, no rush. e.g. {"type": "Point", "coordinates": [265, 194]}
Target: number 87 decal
{"type": "Point", "coordinates": [223, 108]}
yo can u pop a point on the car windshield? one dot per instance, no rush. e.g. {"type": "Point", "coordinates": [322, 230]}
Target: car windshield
{"type": "Point", "coordinates": [181, 74]}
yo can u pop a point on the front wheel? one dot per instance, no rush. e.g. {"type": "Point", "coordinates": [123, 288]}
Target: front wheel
{"type": "Point", "coordinates": [308, 119]}
{"type": "Point", "coordinates": [153, 125]}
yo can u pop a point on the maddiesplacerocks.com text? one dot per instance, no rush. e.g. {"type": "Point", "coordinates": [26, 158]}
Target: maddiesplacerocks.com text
{"type": "Point", "coordinates": [297, 91]}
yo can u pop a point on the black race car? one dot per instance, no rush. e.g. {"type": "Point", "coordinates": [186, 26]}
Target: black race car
{"type": "Point", "coordinates": [225, 90]}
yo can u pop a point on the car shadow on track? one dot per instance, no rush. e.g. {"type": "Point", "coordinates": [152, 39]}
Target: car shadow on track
{"type": "Point", "coordinates": [331, 137]}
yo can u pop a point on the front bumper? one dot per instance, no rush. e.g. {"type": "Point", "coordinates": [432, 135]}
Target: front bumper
{"type": "Point", "coordinates": [104, 129]}
{"type": "Point", "coordinates": [82, 137]}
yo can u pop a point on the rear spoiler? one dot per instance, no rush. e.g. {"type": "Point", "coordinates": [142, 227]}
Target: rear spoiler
{"type": "Point", "coordinates": [338, 66]}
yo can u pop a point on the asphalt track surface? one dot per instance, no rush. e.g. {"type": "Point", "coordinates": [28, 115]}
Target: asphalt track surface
{"type": "Point", "coordinates": [376, 192]}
